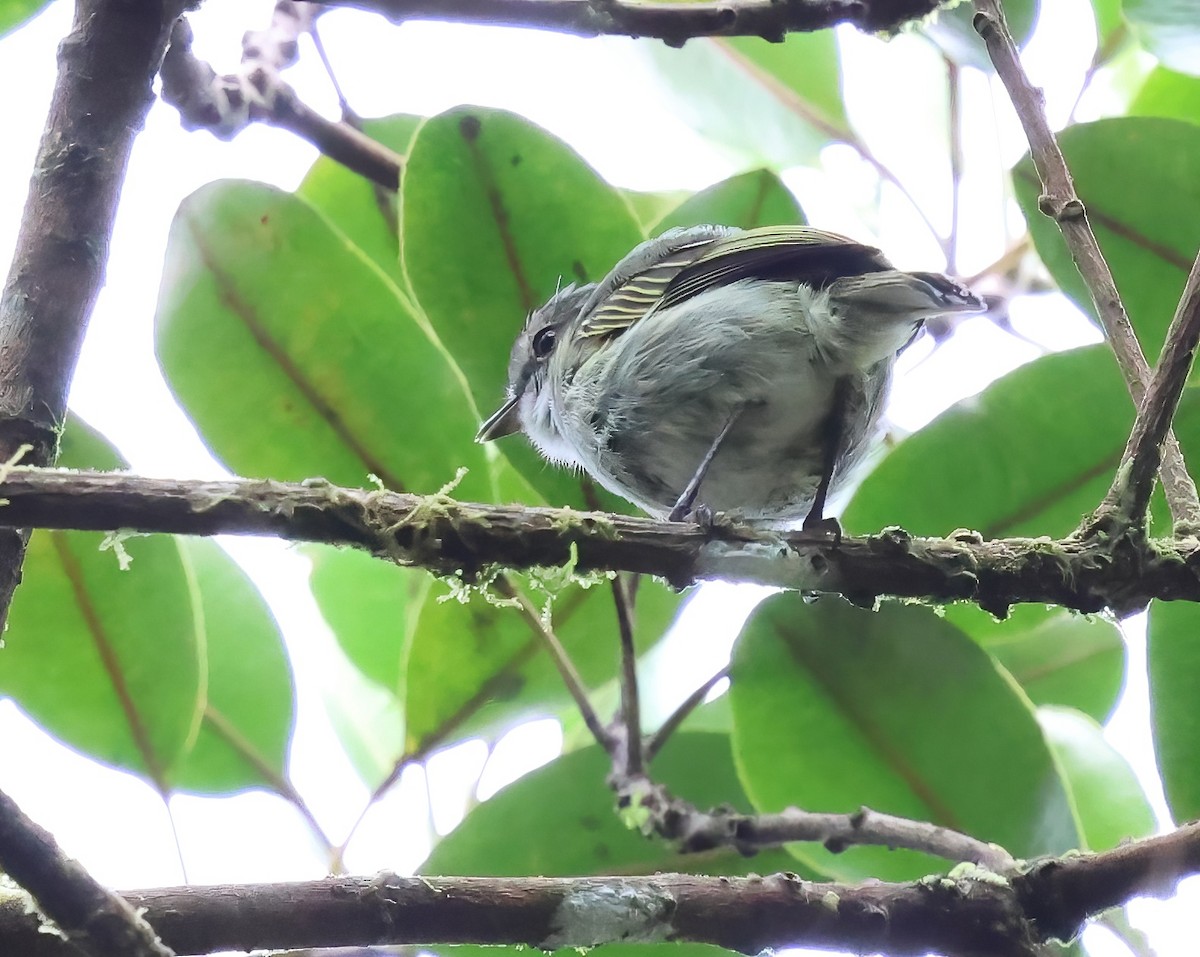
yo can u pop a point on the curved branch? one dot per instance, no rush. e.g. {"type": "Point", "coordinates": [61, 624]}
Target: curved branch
{"type": "Point", "coordinates": [457, 538]}
{"type": "Point", "coordinates": [672, 22]}
{"type": "Point", "coordinates": [1060, 202]}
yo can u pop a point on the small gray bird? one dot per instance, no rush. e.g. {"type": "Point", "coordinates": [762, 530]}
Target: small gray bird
{"type": "Point", "coordinates": [741, 371]}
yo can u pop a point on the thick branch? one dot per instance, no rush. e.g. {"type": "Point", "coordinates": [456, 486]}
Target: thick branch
{"type": "Point", "coordinates": [980, 914]}
{"type": "Point", "coordinates": [450, 537]}
{"type": "Point", "coordinates": [1060, 202]}
{"type": "Point", "coordinates": [103, 91]}
{"type": "Point", "coordinates": [748, 914]}
{"type": "Point", "coordinates": [1061, 893]}
{"type": "Point", "coordinates": [672, 22]}
{"type": "Point", "coordinates": [97, 921]}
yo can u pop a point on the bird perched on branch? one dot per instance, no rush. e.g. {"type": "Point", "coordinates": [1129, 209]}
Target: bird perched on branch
{"type": "Point", "coordinates": [741, 371]}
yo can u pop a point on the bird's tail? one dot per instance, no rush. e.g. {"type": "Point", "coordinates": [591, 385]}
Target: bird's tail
{"type": "Point", "coordinates": [876, 313]}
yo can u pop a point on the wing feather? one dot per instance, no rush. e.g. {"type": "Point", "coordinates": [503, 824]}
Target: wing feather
{"type": "Point", "coordinates": [690, 267]}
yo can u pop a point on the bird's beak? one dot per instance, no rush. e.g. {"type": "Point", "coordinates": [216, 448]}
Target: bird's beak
{"type": "Point", "coordinates": [504, 421]}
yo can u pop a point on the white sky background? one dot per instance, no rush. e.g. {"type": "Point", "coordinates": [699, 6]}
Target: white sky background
{"type": "Point", "coordinates": [581, 90]}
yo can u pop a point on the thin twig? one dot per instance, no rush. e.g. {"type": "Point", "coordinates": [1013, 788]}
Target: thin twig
{"type": "Point", "coordinates": [1129, 497]}
{"type": "Point", "coordinates": [1060, 202]}
{"type": "Point", "coordinates": [631, 712]}
{"type": "Point", "coordinates": [954, 111]}
{"type": "Point", "coordinates": [562, 661]}
{"type": "Point", "coordinates": [673, 22]}
{"type": "Point", "coordinates": [227, 104]}
{"type": "Point", "coordinates": [348, 114]}
{"type": "Point", "coordinates": [692, 830]}
{"type": "Point", "coordinates": [655, 741]}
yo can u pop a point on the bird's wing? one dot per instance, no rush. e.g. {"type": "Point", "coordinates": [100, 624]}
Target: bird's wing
{"type": "Point", "coordinates": [784, 253]}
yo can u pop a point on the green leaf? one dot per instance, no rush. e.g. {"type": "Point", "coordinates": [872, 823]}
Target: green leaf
{"type": "Point", "coordinates": [649, 208]}
{"type": "Point", "coordinates": [1148, 235]}
{"type": "Point", "coordinates": [108, 661]}
{"type": "Point", "coordinates": [297, 356]}
{"type": "Point", "coordinates": [250, 707]}
{"type": "Point", "coordinates": [361, 210]}
{"type": "Point", "coordinates": [757, 198]}
{"type": "Point", "coordinates": [497, 213]}
{"type": "Point", "coordinates": [767, 104]}
{"type": "Point", "coordinates": [1109, 801]}
{"type": "Point", "coordinates": [14, 13]}
{"type": "Point", "coordinates": [560, 819]}
{"type": "Point", "coordinates": [1169, 94]}
{"type": "Point", "coordinates": [372, 606]}
{"type": "Point", "coordinates": [1057, 656]}
{"type": "Point", "coordinates": [477, 667]}
{"type": "Point", "coordinates": [1173, 655]}
{"type": "Point", "coordinates": [1170, 29]}
{"type": "Point", "coordinates": [1108, 22]}
{"type": "Point", "coordinates": [1034, 467]}
{"type": "Point", "coordinates": [836, 707]}
{"type": "Point", "coordinates": [955, 35]}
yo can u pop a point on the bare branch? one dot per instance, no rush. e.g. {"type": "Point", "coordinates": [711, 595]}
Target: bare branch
{"type": "Point", "coordinates": [693, 831]}
{"type": "Point", "coordinates": [984, 914]}
{"type": "Point", "coordinates": [748, 914]}
{"type": "Point", "coordinates": [1060, 894]}
{"type": "Point", "coordinates": [1129, 497]}
{"type": "Point", "coordinates": [96, 920]}
{"type": "Point", "coordinates": [451, 537]}
{"type": "Point", "coordinates": [106, 66]}
{"type": "Point", "coordinates": [674, 23]}
{"type": "Point", "coordinates": [1060, 202]}
{"type": "Point", "coordinates": [562, 661]}
{"type": "Point", "coordinates": [660, 737]}
{"type": "Point", "coordinates": [629, 761]}
{"type": "Point", "coordinates": [225, 105]}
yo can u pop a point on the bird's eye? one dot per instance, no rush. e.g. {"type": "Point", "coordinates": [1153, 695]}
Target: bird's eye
{"type": "Point", "coordinates": [543, 342]}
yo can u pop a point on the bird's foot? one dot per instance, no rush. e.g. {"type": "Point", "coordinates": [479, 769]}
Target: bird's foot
{"type": "Point", "coordinates": [820, 529]}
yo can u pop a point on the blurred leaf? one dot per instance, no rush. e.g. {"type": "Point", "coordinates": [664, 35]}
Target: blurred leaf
{"type": "Point", "coordinates": [1109, 801]}
{"type": "Point", "coordinates": [649, 208]}
{"type": "Point", "coordinates": [1170, 29]}
{"type": "Point", "coordinates": [250, 709]}
{"type": "Point", "coordinates": [767, 104]}
{"type": "Point", "coordinates": [109, 661]}
{"type": "Point", "coordinates": [1108, 21]}
{"type": "Point", "coordinates": [296, 356]}
{"type": "Point", "coordinates": [372, 607]}
{"type": "Point", "coordinates": [757, 198]}
{"type": "Point", "coordinates": [1173, 659]}
{"type": "Point", "coordinates": [1057, 656]}
{"type": "Point", "coordinates": [560, 820]}
{"type": "Point", "coordinates": [363, 211]}
{"type": "Point", "coordinates": [1036, 465]}
{"type": "Point", "coordinates": [1169, 94]}
{"type": "Point", "coordinates": [475, 666]}
{"type": "Point", "coordinates": [955, 35]}
{"type": "Point", "coordinates": [836, 707]}
{"type": "Point", "coordinates": [14, 13]}
{"type": "Point", "coordinates": [368, 720]}
{"type": "Point", "coordinates": [497, 213]}
{"type": "Point", "coordinates": [1149, 235]}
